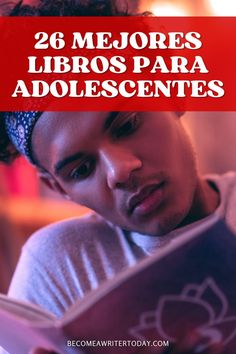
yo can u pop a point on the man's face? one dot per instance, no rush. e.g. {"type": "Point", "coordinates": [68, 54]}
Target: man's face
{"type": "Point", "coordinates": [137, 170]}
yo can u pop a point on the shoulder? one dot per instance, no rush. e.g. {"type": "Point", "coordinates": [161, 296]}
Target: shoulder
{"type": "Point", "coordinates": [88, 241]}
{"type": "Point", "coordinates": [226, 180]}
{"type": "Point", "coordinates": [62, 262]}
{"type": "Point", "coordinates": [226, 184]}
{"type": "Point", "coordinates": [70, 233]}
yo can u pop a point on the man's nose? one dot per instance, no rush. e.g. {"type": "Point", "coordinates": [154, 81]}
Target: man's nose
{"type": "Point", "coordinates": [119, 164]}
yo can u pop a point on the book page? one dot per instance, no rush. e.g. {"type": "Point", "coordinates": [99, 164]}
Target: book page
{"type": "Point", "coordinates": [26, 311]}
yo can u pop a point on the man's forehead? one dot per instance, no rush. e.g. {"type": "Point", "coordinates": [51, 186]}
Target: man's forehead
{"type": "Point", "coordinates": [66, 127]}
{"type": "Point", "coordinates": [58, 121]}
{"type": "Point", "coordinates": [74, 116]}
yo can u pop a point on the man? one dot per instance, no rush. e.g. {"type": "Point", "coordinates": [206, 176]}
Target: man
{"type": "Point", "coordinates": [136, 170]}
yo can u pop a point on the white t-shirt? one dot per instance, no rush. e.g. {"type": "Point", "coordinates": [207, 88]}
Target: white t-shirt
{"type": "Point", "coordinates": [61, 263]}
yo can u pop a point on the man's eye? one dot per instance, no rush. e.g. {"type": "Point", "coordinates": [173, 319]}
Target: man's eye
{"type": "Point", "coordinates": [83, 171]}
{"type": "Point", "coordinates": [126, 127]}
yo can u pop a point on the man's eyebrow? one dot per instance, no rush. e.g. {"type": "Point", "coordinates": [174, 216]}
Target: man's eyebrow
{"type": "Point", "coordinates": [67, 160]}
{"type": "Point", "coordinates": [110, 119]}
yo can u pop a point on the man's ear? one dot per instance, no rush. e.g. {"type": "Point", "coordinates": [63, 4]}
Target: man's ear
{"type": "Point", "coordinates": [52, 183]}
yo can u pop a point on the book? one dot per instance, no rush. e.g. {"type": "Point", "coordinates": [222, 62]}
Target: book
{"type": "Point", "coordinates": [189, 285]}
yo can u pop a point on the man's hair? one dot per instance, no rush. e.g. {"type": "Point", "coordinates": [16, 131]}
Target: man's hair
{"type": "Point", "coordinates": [7, 150]}
{"type": "Point", "coordinates": [68, 8]}
{"type": "Point", "coordinates": [53, 8]}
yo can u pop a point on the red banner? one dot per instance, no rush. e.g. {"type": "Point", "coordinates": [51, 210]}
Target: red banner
{"type": "Point", "coordinates": [117, 63]}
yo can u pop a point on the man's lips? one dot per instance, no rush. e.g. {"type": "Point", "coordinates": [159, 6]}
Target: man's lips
{"type": "Point", "coordinates": [146, 200]}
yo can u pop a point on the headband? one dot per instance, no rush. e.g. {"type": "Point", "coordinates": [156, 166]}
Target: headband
{"type": "Point", "coordinates": [19, 127]}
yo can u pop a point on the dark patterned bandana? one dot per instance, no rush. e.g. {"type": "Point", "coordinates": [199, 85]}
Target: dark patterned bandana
{"type": "Point", "coordinates": [19, 127]}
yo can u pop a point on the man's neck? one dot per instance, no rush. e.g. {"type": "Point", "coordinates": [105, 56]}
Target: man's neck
{"type": "Point", "coordinates": [206, 200]}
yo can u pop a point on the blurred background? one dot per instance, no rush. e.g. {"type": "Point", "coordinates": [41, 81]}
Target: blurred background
{"type": "Point", "coordinates": [26, 205]}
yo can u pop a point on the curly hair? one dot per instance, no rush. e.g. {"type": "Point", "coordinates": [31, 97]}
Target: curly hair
{"type": "Point", "coordinates": [7, 150]}
{"type": "Point", "coordinates": [52, 8]}
{"type": "Point", "coordinates": [68, 8]}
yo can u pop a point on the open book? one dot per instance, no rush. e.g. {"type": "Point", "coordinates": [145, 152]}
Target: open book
{"type": "Point", "coordinates": [189, 285]}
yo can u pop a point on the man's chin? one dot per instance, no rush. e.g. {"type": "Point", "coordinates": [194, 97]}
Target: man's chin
{"type": "Point", "coordinates": [151, 230]}
{"type": "Point", "coordinates": [159, 228]}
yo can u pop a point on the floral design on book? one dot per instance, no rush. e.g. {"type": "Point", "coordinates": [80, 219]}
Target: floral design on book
{"type": "Point", "coordinates": [200, 308]}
